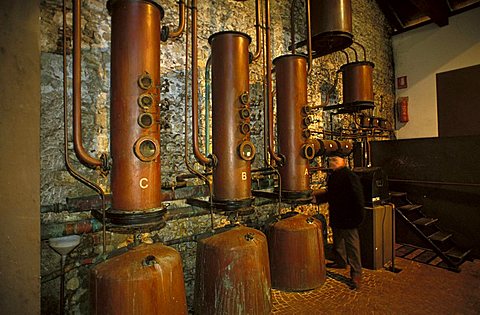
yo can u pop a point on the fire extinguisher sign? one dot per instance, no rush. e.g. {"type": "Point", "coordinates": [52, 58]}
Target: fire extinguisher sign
{"type": "Point", "coordinates": [402, 109]}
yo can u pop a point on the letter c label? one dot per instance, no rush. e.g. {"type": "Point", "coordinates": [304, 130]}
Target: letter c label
{"type": "Point", "coordinates": [144, 183]}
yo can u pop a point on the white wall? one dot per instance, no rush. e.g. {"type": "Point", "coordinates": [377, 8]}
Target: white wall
{"type": "Point", "coordinates": [422, 53]}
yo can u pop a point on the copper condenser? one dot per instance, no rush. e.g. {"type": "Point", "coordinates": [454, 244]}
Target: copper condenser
{"type": "Point", "coordinates": [292, 126]}
{"type": "Point", "coordinates": [231, 120]}
{"type": "Point", "coordinates": [135, 113]}
{"type": "Point", "coordinates": [297, 259]}
{"type": "Point", "coordinates": [357, 79]}
{"type": "Point", "coordinates": [331, 25]}
{"type": "Point", "coordinates": [148, 279]}
{"type": "Point", "coordinates": [233, 273]}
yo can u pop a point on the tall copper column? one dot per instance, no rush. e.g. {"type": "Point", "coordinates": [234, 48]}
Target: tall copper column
{"type": "Point", "coordinates": [231, 120]}
{"type": "Point", "coordinates": [135, 96]}
{"type": "Point", "coordinates": [292, 121]}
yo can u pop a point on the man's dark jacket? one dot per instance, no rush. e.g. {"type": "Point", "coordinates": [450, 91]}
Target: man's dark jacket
{"type": "Point", "coordinates": [345, 199]}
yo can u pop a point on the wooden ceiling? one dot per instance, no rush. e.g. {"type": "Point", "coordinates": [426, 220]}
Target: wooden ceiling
{"type": "Point", "coordinates": [404, 15]}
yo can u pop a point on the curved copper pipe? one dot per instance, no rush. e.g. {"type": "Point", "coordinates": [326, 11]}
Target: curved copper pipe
{"type": "Point", "coordinates": [364, 51]}
{"type": "Point", "coordinates": [69, 167]}
{"type": "Point", "coordinates": [196, 151]}
{"type": "Point", "coordinates": [187, 163]}
{"type": "Point", "coordinates": [268, 55]}
{"type": "Point", "coordinates": [181, 20]}
{"type": "Point", "coordinates": [80, 151]}
{"type": "Point", "coordinates": [258, 49]}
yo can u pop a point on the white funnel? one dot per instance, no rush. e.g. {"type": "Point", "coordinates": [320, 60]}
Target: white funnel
{"type": "Point", "coordinates": [64, 245]}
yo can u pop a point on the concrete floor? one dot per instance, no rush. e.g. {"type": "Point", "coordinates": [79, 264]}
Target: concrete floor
{"type": "Point", "coordinates": [417, 289]}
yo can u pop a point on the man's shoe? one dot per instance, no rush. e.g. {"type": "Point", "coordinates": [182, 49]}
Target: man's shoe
{"type": "Point", "coordinates": [356, 282]}
{"type": "Point", "coordinates": [336, 265]}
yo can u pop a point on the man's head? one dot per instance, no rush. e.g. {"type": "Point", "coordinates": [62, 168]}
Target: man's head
{"type": "Point", "coordinates": [336, 162]}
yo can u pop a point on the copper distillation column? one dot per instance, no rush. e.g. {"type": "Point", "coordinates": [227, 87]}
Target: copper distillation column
{"type": "Point", "coordinates": [147, 279]}
{"type": "Point", "coordinates": [292, 125]}
{"type": "Point", "coordinates": [231, 121]}
{"type": "Point", "coordinates": [135, 114]}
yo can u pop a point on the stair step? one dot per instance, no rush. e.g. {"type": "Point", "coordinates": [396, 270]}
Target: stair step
{"type": "Point", "coordinates": [425, 221]}
{"type": "Point", "coordinates": [407, 208]}
{"type": "Point", "coordinates": [440, 236]}
{"type": "Point", "coordinates": [398, 194]}
{"type": "Point", "coordinates": [457, 253]}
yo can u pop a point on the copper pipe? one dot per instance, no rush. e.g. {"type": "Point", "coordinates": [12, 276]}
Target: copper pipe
{"type": "Point", "coordinates": [268, 53]}
{"type": "Point", "coordinates": [258, 49]}
{"type": "Point", "coordinates": [68, 165]}
{"type": "Point", "coordinates": [80, 151]}
{"type": "Point", "coordinates": [187, 163]}
{"type": "Point", "coordinates": [181, 20]}
{"type": "Point", "coordinates": [209, 161]}
{"type": "Point", "coordinates": [363, 49]}
{"type": "Point", "coordinates": [309, 38]}
{"type": "Point", "coordinates": [292, 27]}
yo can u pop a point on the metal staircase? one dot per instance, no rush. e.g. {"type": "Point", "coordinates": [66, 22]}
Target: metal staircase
{"type": "Point", "coordinates": [414, 227]}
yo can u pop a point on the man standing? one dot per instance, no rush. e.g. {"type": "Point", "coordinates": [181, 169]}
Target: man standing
{"type": "Point", "coordinates": [346, 208]}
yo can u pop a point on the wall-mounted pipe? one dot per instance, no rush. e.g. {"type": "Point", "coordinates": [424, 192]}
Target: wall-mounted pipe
{"type": "Point", "coordinates": [309, 32]}
{"type": "Point", "coordinates": [166, 33]}
{"type": "Point", "coordinates": [309, 38]}
{"type": "Point", "coordinates": [204, 160]}
{"type": "Point", "coordinates": [258, 49]}
{"type": "Point", "coordinates": [80, 151]}
{"type": "Point", "coordinates": [269, 99]}
{"type": "Point", "coordinates": [187, 163]}
{"type": "Point", "coordinates": [208, 82]}
{"type": "Point", "coordinates": [68, 165]}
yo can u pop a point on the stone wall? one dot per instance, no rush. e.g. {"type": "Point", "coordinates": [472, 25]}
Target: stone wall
{"type": "Point", "coordinates": [370, 29]}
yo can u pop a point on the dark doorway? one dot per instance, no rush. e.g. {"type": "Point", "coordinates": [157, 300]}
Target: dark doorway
{"type": "Point", "coordinates": [458, 102]}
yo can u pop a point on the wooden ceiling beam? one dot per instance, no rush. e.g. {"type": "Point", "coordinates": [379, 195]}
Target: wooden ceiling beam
{"type": "Point", "coordinates": [437, 10]}
{"type": "Point", "coordinates": [390, 14]}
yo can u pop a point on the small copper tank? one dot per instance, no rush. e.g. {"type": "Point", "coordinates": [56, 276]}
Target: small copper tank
{"type": "Point", "coordinates": [357, 78]}
{"type": "Point", "coordinates": [134, 110]}
{"type": "Point", "coordinates": [292, 120]}
{"type": "Point", "coordinates": [233, 273]}
{"type": "Point", "coordinates": [231, 120]}
{"type": "Point", "coordinates": [331, 23]}
{"type": "Point", "coordinates": [297, 258]}
{"type": "Point", "coordinates": [146, 280]}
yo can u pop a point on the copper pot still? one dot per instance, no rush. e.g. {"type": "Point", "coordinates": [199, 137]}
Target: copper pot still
{"type": "Point", "coordinates": [135, 98]}
{"type": "Point", "coordinates": [331, 25]}
{"type": "Point", "coordinates": [233, 273]}
{"type": "Point", "coordinates": [357, 79]}
{"type": "Point", "coordinates": [148, 279]}
{"type": "Point", "coordinates": [292, 121]}
{"type": "Point", "coordinates": [295, 246]}
{"type": "Point", "coordinates": [231, 120]}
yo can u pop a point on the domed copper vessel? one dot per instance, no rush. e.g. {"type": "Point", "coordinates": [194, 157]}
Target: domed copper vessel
{"type": "Point", "coordinates": [297, 258]}
{"type": "Point", "coordinates": [146, 280]}
{"type": "Point", "coordinates": [233, 273]}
